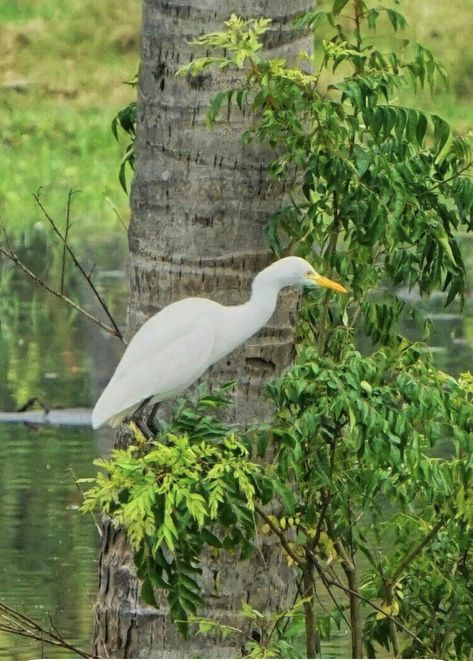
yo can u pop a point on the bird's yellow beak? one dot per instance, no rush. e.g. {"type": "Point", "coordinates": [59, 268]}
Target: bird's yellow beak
{"type": "Point", "coordinates": [320, 281]}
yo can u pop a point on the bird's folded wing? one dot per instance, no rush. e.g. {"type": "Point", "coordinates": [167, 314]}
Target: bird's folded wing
{"type": "Point", "coordinates": [160, 372]}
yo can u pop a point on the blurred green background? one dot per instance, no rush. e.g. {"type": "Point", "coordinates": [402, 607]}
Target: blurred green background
{"type": "Point", "coordinates": [62, 73]}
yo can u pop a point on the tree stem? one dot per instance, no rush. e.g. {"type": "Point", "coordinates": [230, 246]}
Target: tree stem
{"type": "Point", "coordinates": [393, 637]}
{"type": "Point", "coordinates": [411, 555]}
{"type": "Point", "coordinates": [311, 634]}
{"type": "Point", "coordinates": [351, 573]}
{"type": "Point", "coordinates": [330, 252]}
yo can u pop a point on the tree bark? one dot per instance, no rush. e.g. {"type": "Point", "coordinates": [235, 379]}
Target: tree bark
{"type": "Point", "coordinates": [200, 201]}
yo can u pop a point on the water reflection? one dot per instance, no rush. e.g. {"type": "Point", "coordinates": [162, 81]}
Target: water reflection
{"type": "Point", "coordinates": [48, 549]}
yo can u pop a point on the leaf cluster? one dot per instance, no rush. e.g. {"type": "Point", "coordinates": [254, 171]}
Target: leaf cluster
{"type": "Point", "coordinates": [174, 493]}
{"type": "Point", "coordinates": [125, 121]}
{"type": "Point", "coordinates": [387, 184]}
{"type": "Point", "coordinates": [273, 635]}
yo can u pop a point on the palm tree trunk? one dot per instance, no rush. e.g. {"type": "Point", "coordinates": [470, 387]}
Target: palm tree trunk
{"type": "Point", "coordinates": [199, 204]}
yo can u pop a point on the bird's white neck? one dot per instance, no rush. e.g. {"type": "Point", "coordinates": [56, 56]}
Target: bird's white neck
{"type": "Point", "coordinates": [260, 308]}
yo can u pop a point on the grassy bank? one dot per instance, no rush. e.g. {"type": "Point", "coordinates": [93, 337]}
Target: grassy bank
{"type": "Point", "coordinates": [63, 67]}
{"type": "Point", "coordinates": [62, 70]}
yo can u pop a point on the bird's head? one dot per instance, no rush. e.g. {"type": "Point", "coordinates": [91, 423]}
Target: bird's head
{"type": "Point", "coordinates": [295, 271]}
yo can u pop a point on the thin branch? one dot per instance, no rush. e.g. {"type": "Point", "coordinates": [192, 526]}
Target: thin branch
{"type": "Point", "coordinates": [10, 254]}
{"type": "Point", "coordinates": [457, 174]}
{"type": "Point", "coordinates": [323, 577]}
{"type": "Point", "coordinates": [349, 591]}
{"type": "Point", "coordinates": [298, 559]}
{"type": "Point", "coordinates": [332, 247]}
{"type": "Point", "coordinates": [411, 555]}
{"type": "Point", "coordinates": [76, 482]}
{"type": "Point", "coordinates": [76, 262]}
{"type": "Point", "coordinates": [17, 623]}
{"type": "Point", "coordinates": [122, 222]}
{"type": "Point", "coordinates": [312, 640]}
{"type": "Point", "coordinates": [349, 567]}
{"type": "Point", "coordinates": [66, 234]}
{"type": "Point", "coordinates": [282, 538]}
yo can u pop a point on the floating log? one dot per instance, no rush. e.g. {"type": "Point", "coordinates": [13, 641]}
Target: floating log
{"type": "Point", "coordinates": [79, 417]}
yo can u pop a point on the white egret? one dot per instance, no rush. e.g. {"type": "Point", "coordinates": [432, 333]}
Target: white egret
{"type": "Point", "coordinates": [176, 346]}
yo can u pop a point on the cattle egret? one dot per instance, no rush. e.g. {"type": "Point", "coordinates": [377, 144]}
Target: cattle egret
{"type": "Point", "coordinates": [176, 346]}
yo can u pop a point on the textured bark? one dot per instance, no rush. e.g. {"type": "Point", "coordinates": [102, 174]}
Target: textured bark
{"type": "Point", "coordinates": [200, 201]}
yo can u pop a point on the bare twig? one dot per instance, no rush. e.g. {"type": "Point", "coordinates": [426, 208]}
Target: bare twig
{"type": "Point", "coordinates": [76, 482]}
{"type": "Point", "coordinates": [10, 254]}
{"type": "Point", "coordinates": [299, 560]}
{"type": "Point", "coordinates": [14, 622]}
{"type": "Point", "coordinates": [66, 235]}
{"type": "Point", "coordinates": [112, 206]}
{"type": "Point", "coordinates": [78, 265]}
{"type": "Point", "coordinates": [413, 553]}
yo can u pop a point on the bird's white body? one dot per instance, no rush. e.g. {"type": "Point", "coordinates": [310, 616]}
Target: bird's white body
{"type": "Point", "coordinates": [177, 345]}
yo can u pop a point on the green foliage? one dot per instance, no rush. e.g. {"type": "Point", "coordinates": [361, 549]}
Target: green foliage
{"type": "Point", "coordinates": [125, 120]}
{"type": "Point", "coordinates": [375, 175]}
{"type": "Point", "coordinates": [357, 438]}
{"type": "Point", "coordinates": [175, 494]}
{"type": "Point", "coordinates": [378, 193]}
{"type": "Point", "coordinates": [273, 635]}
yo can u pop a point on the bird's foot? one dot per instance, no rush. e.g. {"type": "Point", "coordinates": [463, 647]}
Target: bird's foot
{"type": "Point", "coordinates": [151, 421]}
{"type": "Point", "coordinates": [140, 429]}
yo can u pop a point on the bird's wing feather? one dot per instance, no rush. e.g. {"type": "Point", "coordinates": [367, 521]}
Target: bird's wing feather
{"type": "Point", "coordinates": [163, 329]}
{"type": "Point", "coordinates": [160, 371]}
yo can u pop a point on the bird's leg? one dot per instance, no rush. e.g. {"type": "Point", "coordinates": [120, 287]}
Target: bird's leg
{"type": "Point", "coordinates": [151, 423]}
{"type": "Point", "coordinates": [142, 424]}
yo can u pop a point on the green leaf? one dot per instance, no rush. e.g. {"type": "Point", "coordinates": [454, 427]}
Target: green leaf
{"type": "Point", "coordinates": [210, 539]}
{"type": "Point", "coordinates": [215, 106]}
{"type": "Point", "coordinates": [286, 495]}
{"type": "Point", "coordinates": [443, 136]}
{"type": "Point", "coordinates": [147, 593]}
{"type": "Point", "coordinates": [338, 6]}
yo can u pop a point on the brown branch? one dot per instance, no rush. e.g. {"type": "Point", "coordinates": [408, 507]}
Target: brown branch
{"type": "Point", "coordinates": [411, 555]}
{"type": "Point", "coordinates": [19, 624]}
{"type": "Point", "coordinates": [323, 576]}
{"type": "Point", "coordinates": [351, 573]}
{"type": "Point", "coordinates": [312, 641]}
{"type": "Point", "coordinates": [299, 560]}
{"type": "Point", "coordinates": [10, 254]}
{"type": "Point", "coordinates": [390, 583]}
{"type": "Point", "coordinates": [79, 266]}
{"type": "Point", "coordinates": [66, 234]}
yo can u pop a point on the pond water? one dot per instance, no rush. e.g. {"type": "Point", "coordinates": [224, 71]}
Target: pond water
{"type": "Point", "coordinates": [48, 549]}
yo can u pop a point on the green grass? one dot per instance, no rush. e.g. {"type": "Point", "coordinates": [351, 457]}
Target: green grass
{"type": "Point", "coordinates": [62, 71]}
{"type": "Point", "coordinates": [62, 67]}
